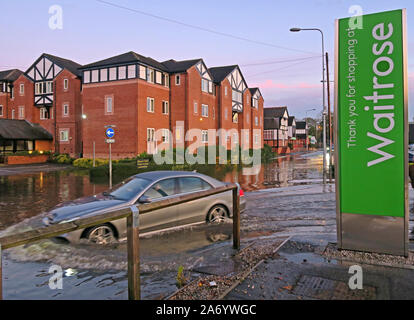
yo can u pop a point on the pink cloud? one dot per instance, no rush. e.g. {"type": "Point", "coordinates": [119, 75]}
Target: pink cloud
{"type": "Point", "coordinates": [270, 84]}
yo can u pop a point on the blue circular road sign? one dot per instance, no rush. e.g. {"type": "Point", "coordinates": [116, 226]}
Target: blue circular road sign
{"type": "Point", "coordinates": [110, 133]}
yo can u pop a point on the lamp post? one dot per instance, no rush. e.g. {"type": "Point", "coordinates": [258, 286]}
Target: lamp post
{"type": "Point", "coordinates": [323, 95]}
{"type": "Point", "coordinates": [306, 125]}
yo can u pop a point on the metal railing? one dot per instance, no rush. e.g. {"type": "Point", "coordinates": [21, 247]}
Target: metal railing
{"type": "Point", "coordinates": [132, 214]}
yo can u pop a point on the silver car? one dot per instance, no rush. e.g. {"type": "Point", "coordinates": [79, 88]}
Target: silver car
{"type": "Point", "coordinates": [143, 188]}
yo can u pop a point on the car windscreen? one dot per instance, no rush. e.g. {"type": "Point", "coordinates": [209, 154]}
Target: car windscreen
{"type": "Point", "coordinates": [130, 189]}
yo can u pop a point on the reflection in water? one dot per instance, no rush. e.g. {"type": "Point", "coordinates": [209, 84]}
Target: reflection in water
{"type": "Point", "coordinates": [28, 195]}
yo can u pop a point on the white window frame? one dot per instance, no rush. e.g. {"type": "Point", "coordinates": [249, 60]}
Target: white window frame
{"type": "Point", "coordinates": [204, 85]}
{"type": "Point", "coordinates": [43, 112]}
{"type": "Point", "coordinates": [49, 86]}
{"type": "Point", "coordinates": [256, 138]}
{"type": "Point", "coordinates": [13, 115]}
{"type": "Point", "coordinates": [107, 110]}
{"type": "Point", "coordinates": [165, 135]}
{"type": "Point", "coordinates": [225, 91]}
{"type": "Point", "coordinates": [65, 111]}
{"type": "Point", "coordinates": [150, 75]}
{"type": "Point", "coordinates": [204, 110]}
{"type": "Point", "coordinates": [1, 110]}
{"type": "Point", "coordinates": [150, 105]}
{"type": "Point", "coordinates": [195, 107]}
{"type": "Point", "coordinates": [256, 121]}
{"type": "Point", "coordinates": [150, 135]}
{"type": "Point", "coordinates": [66, 137]}
{"type": "Point", "coordinates": [204, 136]}
{"type": "Point", "coordinates": [21, 89]}
{"type": "Point", "coordinates": [226, 114]}
{"type": "Point", "coordinates": [177, 79]}
{"type": "Point", "coordinates": [21, 112]}
{"type": "Point", "coordinates": [165, 107]}
{"type": "Point", "coordinates": [65, 84]}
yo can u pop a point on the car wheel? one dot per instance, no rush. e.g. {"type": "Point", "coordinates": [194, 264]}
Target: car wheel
{"type": "Point", "coordinates": [102, 234]}
{"type": "Point", "coordinates": [217, 214]}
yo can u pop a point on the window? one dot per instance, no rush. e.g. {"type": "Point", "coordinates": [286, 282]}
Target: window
{"type": "Point", "coordinates": [237, 96]}
{"type": "Point", "coordinates": [163, 188]}
{"type": "Point", "coordinates": [142, 72]}
{"type": "Point", "coordinates": [235, 138]}
{"type": "Point", "coordinates": [38, 87]}
{"type": "Point", "coordinates": [192, 184]}
{"type": "Point", "coordinates": [204, 136]}
{"type": "Point", "coordinates": [49, 86]}
{"type": "Point", "coordinates": [65, 109]}
{"type": "Point", "coordinates": [225, 91]}
{"type": "Point", "coordinates": [214, 113]}
{"type": "Point", "coordinates": [95, 76]}
{"type": "Point", "coordinates": [122, 73]}
{"type": "Point", "coordinates": [21, 89]}
{"type": "Point", "coordinates": [21, 112]}
{"type": "Point", "coordinates": [12, 92]}
{"type": "Point", "coordinates": [86, 76]}
{"type": "Point", "coordinates": [166, 80]}
{"type": "Point", "coordinates": [13, 114]}
{"type": "Point", "coordinates": [165, 107]}
{"type": "Point", "coordinates": [43, 114]}
{"type": "Point", "coordinates": [64, 135]}
{"type": "Point", "coordinates": [112, 73]}
{"type": "Point", "coordinates": [165, 135]}
{"type": "Point", "coordinates": [1, 111]}
{"type": "Point", "coordinates": [256, 121]}
{"type": "Point", "coordinates": [248, 100]}
{"type": "Point", "coordinates": [204, 85]}
{"type": "Point", "coordinates": [109, 105]}
{"type": "Point", "coordinates": [226, 116]}
{"type": "Point", "coordinates": [104, 74]}
{"type": "Point", "coordinates": [150, 134]}
{"type": "Point", "coordinates": [65, 84]}
{"type": "Point", "coordinates": [204, 110]}
{"type": "Point", "coordinates": [130, 189]}
{"type": "Point", "coordinates": [254, 103]}
{"type": "Point", "coordinates": [256, 138]}
{"type": "Point", "coordinates": [131, 71]}
{"type": "Point", "coordinates": [235, 118]}
{"type": "Point", "coordinates": [150, 75]}
{"type": "Point", "coordinates": [177, 80]}
{"type": "Point", "coordinates": [150, 104]}
{"type": "Point", "coordinates": [195, 107]}
{"type": "Point", "coordinates": [158, 77]}
{"type": "Point", "coordinates": [247, 118]}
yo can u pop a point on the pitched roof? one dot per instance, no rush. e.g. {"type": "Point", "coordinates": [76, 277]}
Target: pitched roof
{"type": "Point", "coordinates": [10, 75]}
{"type": "Point", "coordinates": [274, 112]}
{"type": "Point", "coordinates": [290, 120]}
{"type": "Point", "coordinates": [70, 65]}
{"type": "Point", "coordinates": [128, 57]}
{"type": "Point", "coordinates": [220, 73]}
{"type": "Point", "coordinates": [22, 129]}
{"type": "Point", "coordinates": [179, 66]}
{"type": "Point", "coordinates": [253, 90]}
{"type": "Point", "coordinates": [300, 124]}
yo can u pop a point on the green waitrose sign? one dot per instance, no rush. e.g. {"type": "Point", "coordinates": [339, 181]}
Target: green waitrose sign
{"type": "Point", "coordinates": [371, 115]}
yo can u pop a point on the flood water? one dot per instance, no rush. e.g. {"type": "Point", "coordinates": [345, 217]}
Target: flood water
{"type": "Point", "coordinates": [100, 272]}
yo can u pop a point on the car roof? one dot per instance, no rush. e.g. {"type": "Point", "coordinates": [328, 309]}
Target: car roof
{"type": "Point", "coordinates": [155, 175]}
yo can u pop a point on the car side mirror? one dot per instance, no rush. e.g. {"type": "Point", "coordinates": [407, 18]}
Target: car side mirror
{"type": "Point", "coordinates": [144, 199]}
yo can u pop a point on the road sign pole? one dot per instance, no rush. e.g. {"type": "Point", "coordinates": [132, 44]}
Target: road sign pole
{"type": "Point", "coordinates": [110, 166]}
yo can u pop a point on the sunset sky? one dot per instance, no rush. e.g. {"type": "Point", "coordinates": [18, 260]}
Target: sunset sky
{"type": "Point", "coordinates": [253, 34]}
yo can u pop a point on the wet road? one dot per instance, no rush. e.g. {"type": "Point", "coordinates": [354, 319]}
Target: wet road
{"type": "Point", "coordinates": [93, 272]}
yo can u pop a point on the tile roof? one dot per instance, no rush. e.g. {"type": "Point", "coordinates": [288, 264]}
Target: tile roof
{"type": "Point", "coordinates": [128, 57]}
{"type": "Point", "coordinates": [274, 112]}
{"type": "Point", "coordinates": [290, 120]}
{"type": "Point", "coordinates": [179, 66]}
{"type": "Point", "coordinates": [10, 75]}
{"type": "Point", "coordinates": [70, 65]}
{"type": "Point", "coordinates": [22, 129]}
{"type": "Point", "coordinates": [300, 124]}
{"type": "Point", "coordinates": [220, 73]}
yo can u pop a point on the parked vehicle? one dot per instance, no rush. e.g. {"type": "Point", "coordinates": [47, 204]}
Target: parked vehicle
{"type": "Point", "coordinates": [144, 188]}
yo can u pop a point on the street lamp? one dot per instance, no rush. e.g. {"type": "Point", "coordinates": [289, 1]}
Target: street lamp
{"type": "Point", "coordinates": [306, 124]}
{"type": "Point", "coordinates": [323, 93]}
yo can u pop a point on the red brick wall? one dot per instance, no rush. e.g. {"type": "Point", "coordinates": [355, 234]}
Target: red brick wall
{"type": "Point", "coordinates": [26, 159]}
{"type": "Point", "coordinates": [124, 116]}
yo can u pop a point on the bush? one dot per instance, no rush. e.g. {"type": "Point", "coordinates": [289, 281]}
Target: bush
{"type": "Point", "coordinates": [267, 153]}
{"type": "Point", "coordinates": [63, 158]}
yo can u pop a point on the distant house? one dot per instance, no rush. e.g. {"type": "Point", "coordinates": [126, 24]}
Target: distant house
{"type": "Point", "coordinates": [301, 132]}
{"type": "Point", "coordinates": [275, 129]}
{"type": "Point", "coordinates": [291, 127]}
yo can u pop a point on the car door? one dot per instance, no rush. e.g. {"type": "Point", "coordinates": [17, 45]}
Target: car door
{"type": "Point", "coordinates": [193, 211]}
{"type": "Point", "coordinates": [162, 218]}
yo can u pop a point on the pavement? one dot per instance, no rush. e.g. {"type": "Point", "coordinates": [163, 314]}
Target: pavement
{"type": "Point", "coordinates": [302, 271]}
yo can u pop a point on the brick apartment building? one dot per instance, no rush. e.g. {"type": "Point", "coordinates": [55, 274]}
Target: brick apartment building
{"type": "Point", "coordinates": [145, 100]}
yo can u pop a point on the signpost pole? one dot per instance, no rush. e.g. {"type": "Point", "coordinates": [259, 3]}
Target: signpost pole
{"type": "Point", "coordinates": [93, 154]}
{"type": "Point", "coordinates": [110, 166]}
